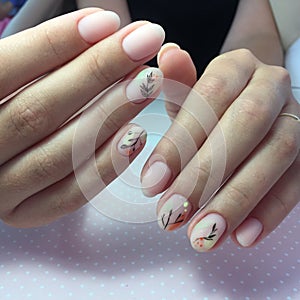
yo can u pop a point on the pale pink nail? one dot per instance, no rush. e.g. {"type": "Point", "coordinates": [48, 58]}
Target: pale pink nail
{"type": "Point", "coordinates": [207, 232]}
{"type": "Point", "coordinates": [143, 41]}
{"type": "Point", "coordinates": [174, 213]}
{"type": "Point", "coordinates": [248, 232]}
{"type": "Point", "coordinates": [99, 25]}
{"type": "Point", "coordinates": [144, 85]}
{"type": "Point", "coordinates": [156, 178]}
{"type": "Point", "coordinates": [132, 140]}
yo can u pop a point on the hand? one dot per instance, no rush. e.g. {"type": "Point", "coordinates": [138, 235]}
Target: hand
{"type": "Point", "coordinates": [229, 151]}
{"type": "Point", "coordinates": [48, 75]}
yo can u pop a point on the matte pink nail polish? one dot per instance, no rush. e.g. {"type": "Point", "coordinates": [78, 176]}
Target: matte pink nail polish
{"type": "Point", "coordinates": [207, 232]}
{"type": "Point", "coordinates": [248, 232]}
{"type": "Point", "coordinates": [156, 178]}
{"type": "Point", "coordinates": [143, 41]}
{"type": "Point", "coordinates": [99, 25]}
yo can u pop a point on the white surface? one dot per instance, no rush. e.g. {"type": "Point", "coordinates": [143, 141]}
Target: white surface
{"type": "Point", "coordinates": [87, 255]}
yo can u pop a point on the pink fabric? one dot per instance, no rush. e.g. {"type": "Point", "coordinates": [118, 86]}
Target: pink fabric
{"type": "Point", "coordinates": [3, 24]}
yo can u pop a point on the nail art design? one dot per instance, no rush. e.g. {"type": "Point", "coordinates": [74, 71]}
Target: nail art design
{"type": "Point", "coordinates": [210, 237]}
{"type": "Point", "coordinates": [144, 85]}
{"type": "Point", "coordinates": [207, 232]}
{"type": "Point", "coordinates": [134, 138]}
{"type": "Point", "coordinates": [174, 212]}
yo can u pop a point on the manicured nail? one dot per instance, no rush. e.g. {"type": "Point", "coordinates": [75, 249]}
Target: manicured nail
{"type": "Point", "coordinates": [99, 25]}
{"type": "Point", "coordinates": [248, 232]}
{"type": "Point", "coordinates": [155, 179]}
{"type": "Point", "coordinates": [207, 232]}
{"type": "Point", "coordinates": [143, 41]}
{"type": "Point", "coordinates": [132, 140]}
{"type": "Point", "coordinates": [165, 48]}
{"type": "Point", "coordinates": [174, 213]}
{"type": "Point", "coordinates": [144, 85]}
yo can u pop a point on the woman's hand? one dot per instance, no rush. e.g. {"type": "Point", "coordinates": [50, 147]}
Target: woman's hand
{"type": "Point", "coordinates": [230, 144]}
{"type": "Point", "coordinates": [47, 75]}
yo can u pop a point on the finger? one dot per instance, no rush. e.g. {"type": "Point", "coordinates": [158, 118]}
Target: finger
{"type": "Point", "coordinates": [200, 114]}
{"type": "Point", "coordinates": [54, 158]}
{"type": "Point", "coordinates": [178, 67]}
{"type": "Point", "coordinates": [222, 153]}
{"type": "Point", "coordinates": [27, 55]}
{"type": "Point", "coordinates": [247, 186]}
{"type": "Point", "coordinates": [75, 190]}
{"type": "Point", "coordinates": [271, 210]}
{"type": "Point", "coordinates": [40, 109]}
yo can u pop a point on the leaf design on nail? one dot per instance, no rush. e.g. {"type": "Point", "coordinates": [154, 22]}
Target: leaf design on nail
{"type": "Point", "coordinates": [147, 89]}
{"type": "Point", "coordinates": [179, 219]}
{"type": "Point", "coordinates": [209, 237]}
{"type": "Point", "coordinates": [134, 142]}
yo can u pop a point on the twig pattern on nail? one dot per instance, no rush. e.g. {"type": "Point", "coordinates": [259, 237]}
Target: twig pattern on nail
{"type": "Point", "coordinates": [209, 237]}
{"type": "Point", "coordinates": [179, 219]}
{"type": "Point", "coordinates": [147, 89]}
{"type": "Point", "coordinates": [133, 142]}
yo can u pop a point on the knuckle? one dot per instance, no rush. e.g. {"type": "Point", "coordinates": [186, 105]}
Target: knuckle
{"type": "Point", "coordinates": [100, 69]}
{"type": "Point", "coordinates": [29, 117]}
{"type": "Point", "coordinates": [286, 146]}
{"type": "Point", "coordinates": [238, 197]}
{"type": "Point", "coordinates": [280, 74]}
{"type": "Point", "coordinates": [52, 42]}
{"type": "Point", "coordinates": [46, 164]}
{"type": "Point", "coordinates": [254, 111]}
{"type": "Point", "coordinates": [111, 121]}
{"type": "Point", "coordinates": [211, 86]}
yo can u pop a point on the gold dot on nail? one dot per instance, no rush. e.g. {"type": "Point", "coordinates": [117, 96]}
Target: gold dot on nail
{"type": "Point", "coordinates": [185, 204]}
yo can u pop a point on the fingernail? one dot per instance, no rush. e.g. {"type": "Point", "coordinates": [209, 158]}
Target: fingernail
{"type": "Point", "coordinates": [207, 232]}
{"type": "Point", "coordinates": [174, 213]}
{"type": "Point", "coordinates": [132, 140]}
{"type": "Point", "coordinates": [143, 41]}
{"type": "Point", "coordinates": [144, 85]}
{"type": "Point", "coordinates": [248, 232]}
{"type": "Point", "coordinates": [155, 179]}
{"type": "Point", "coordinates": [164, 49]}
{"type": "Point", "coordinates": [99, 25]}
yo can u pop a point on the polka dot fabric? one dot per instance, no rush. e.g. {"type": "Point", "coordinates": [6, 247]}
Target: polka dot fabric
{"type": "Point", "coordinates": [87, 255]}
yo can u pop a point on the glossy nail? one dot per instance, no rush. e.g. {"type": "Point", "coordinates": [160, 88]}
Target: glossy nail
{"type": "Point", "coordinates": [248, 232]}
{"type": "Point", "coordinates": [143, 41]}
{"type": "Point", "coordinates": [144, 85]}
{"type": "Point", "coordinates": [174, 213]}
{"type": "Point", "coordinates": [132, 140]}
{"type": "Point", "coordinates": [155, 179]}
{"type": "Point", "coordinates": [207, 232]}
{"type": "Point", "coordinates": [99, 25]}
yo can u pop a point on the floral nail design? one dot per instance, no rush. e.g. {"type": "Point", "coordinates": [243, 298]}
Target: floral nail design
{"type": "Point", "coordinates": [174, 213]}
{"type": "Point", "coordinates": [148, 87]}
{"type": "Point", "coordinates": [144, 85]}
{"type": "Point", "coordinates": [132, 140]}
{"type": "Point", "coordinates": [207, 232]}
{"type": "Point", "coordinates": [209, 237]}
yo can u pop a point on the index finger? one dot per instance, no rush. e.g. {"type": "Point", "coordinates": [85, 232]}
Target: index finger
{"type": "Point", "coordinates": [30, 54]}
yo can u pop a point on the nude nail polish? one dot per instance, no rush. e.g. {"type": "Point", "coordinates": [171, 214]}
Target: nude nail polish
{"type": "Point", "coordinates": [207, 232]}
{"type": "Point", "coordinates": [145, 85]}
{"type": "Point", "coordinates": [132, 140]}
{"type": "Point", "coordinates": [155, 179]}
{"type": "Point", "coordinates": [99, 25]}
{"type": "Point", "coordinates": [174, 213]}
{"type": "Point", "coordinates": [248, 232]}
{"type": "Point", "coordinates": [143, 41]}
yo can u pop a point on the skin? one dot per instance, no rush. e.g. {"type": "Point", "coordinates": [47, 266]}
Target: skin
{"type": "Point", "coordinates": [42, 92]}
{"type": "Point", "coordinates": [246, 89]}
